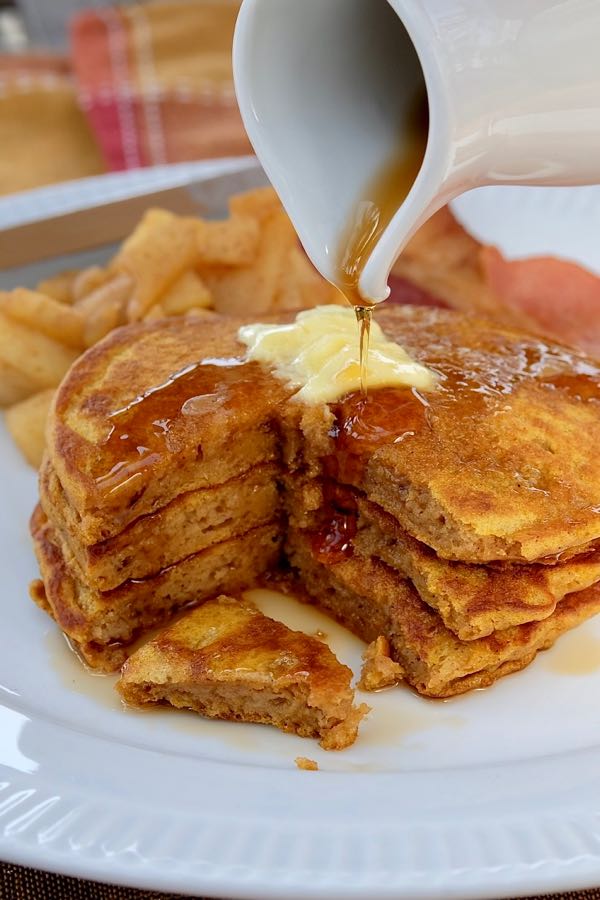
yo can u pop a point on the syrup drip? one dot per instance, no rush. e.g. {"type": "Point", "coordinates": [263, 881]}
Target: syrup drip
{"type": "Point", "coordinates": [332, 543]}
{"type": "Point", "coordinates": [364, 423]}
{"type": "Point", "coordinates": [364, 316]}
{"type": "Point", "coordinates": [381, 199]}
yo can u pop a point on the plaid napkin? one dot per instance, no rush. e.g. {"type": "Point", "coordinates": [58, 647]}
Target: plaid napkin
{"type": "Point", "coordinates": [155, 81]}
{"type": "Point", "coordinates": [45, 136]}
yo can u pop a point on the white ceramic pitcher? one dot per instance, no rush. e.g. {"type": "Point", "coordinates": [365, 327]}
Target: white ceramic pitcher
{"type": "Point", "coordinates": [325, 88]}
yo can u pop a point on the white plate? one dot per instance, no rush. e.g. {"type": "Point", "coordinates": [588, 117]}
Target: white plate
{"type": "Point", "coordinates": [493, 794]}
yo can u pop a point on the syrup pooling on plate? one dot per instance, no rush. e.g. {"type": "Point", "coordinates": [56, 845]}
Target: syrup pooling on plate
{"type": "Point", "coordinates": [152, 425]}
{"type": "Point", "coordinates": [577, 653]}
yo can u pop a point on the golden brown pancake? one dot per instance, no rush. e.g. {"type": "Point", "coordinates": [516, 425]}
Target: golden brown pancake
{"type": "Point", "coordinates": [188, 524]}
{"type": "Point", "coordinates": [206, 418]}
{"type": "Point", "coordinates": [371, 599]}
{"type": "Point", "coordinates": [102, 624]}
{"type": "Point", "coordinates": [226, 660]}
{"type": "Point", "coordinates": [472, 600]}
{"type": "Point", "coordinates": [499, 462]}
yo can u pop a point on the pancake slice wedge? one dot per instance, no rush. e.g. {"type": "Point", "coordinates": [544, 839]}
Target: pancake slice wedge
{"type": "Point", "coordinates": [226, 660]}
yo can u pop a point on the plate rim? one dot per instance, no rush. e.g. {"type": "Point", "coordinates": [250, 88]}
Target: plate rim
{"type": "Point", "coordinates": [528, 850]}
{"type": "Point", "coordinates": [45, 821]}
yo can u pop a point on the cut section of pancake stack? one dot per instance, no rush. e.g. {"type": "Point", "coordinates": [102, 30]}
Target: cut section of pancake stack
{"type": "Point", "coordinates": [461, 524]}
{"type": "Point", "coordinates": [141, 515]}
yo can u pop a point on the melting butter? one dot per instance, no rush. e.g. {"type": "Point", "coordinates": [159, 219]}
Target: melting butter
{"type": "Point", "coordinates": [318, 354]}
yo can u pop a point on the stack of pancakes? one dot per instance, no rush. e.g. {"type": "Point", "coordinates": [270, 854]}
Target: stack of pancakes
{"type": "Point", "coordinates": [148, 504]}
{"type": "Point", "coordinates": [461, 524]}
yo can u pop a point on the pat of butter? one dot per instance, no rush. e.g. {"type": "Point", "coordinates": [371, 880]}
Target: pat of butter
{"type": "Point", "coordinates": [319, 354]}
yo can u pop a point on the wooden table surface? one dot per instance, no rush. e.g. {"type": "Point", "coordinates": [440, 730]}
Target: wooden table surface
{"type": "Point", "coordinates": [18, 883]}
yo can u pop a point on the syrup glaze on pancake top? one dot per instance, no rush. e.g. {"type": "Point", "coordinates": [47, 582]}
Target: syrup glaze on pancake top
{"type": "Point", "coordinates": [150, 413]}
{"type": "Point", "coordinates": [145, 428]}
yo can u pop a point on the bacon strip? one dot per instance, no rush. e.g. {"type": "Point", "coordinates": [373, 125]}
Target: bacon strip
{"type": "Point", "coordinates": [562, 297]}
{"type": "Point", "coordinates": [444, 265]}
{"type": "Point", "coordinates": [405, 291]}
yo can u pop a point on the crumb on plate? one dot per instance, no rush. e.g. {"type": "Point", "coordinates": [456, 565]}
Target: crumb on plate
{"type": "Point", "coordinates": [379, 670]}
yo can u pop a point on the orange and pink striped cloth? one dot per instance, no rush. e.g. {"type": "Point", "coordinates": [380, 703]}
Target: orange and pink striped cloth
{"type": "Point", "coordinates": [155, 81]}
{"type": "Point", "coordinates": [144, 84]}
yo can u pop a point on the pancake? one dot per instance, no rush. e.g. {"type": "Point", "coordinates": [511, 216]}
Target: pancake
{"type": "Point", "coordinates": [103, 624]}
{"type": "Point", "coordinates": [472, 600]}
{"type": "Point", "coordinates": [499, 462]}
{"type": "Point", "coordinates": [226, 660]}
{"type": "Point", "coordinates": [371, 600]}
{"type": "Point", "coordinates": [188, 524]}
{"type": "Point", "coordinates": [122, 438]}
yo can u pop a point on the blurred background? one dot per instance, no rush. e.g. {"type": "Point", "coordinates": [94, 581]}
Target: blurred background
{"type": "Point", "coordinates": [89, 87]}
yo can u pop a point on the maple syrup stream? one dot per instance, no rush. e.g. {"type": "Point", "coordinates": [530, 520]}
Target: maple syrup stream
{"type": "Point", "coordinates": [373, 213]}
